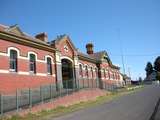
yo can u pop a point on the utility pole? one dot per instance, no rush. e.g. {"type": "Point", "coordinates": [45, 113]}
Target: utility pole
{"type": "Point", "coordinates": [123, 63]}
{"type": "Point", "coordinates": [121, 49]}
{"type": "Point", "coordinates": [129, 72]}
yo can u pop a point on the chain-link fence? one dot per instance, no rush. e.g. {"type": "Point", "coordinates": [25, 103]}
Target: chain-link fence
{"type": "Point", "coordinates": [26, 98]}
{"type": "Point", "coordinates": [109, 86]}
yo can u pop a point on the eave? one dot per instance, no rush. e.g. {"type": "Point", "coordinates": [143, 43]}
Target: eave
{"type": "Point", "coordinates": [24, 41]}
{"type": "Point", "coordinates": [87, 59]}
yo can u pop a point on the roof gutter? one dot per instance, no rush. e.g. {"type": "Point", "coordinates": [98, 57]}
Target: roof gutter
{"type": "Point", "coordinates": [25, 41]}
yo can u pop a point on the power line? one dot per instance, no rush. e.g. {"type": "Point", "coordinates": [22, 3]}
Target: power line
{"type": "Point", "coordinates": [136, 55]}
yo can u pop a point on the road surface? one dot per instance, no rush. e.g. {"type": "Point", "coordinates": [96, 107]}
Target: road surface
{"type": "Point", "coordinates": [136, 106]}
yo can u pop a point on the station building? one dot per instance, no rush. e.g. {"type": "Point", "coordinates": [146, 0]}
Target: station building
{"type": "Point", "coordinates": [29, 62]}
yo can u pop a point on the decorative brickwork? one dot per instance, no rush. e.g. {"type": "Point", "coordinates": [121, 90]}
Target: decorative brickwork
{"type": "Point", "coordinates": [96, 67]}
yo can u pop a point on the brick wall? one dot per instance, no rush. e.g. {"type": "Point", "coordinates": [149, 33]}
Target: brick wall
{"type": "Point", "coordinates": [22, 78]}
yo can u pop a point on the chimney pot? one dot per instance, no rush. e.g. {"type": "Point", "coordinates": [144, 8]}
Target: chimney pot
{"type": "Point", "coordinates": [42, 36]}
{"type": "Point", "coordinates": [89, 48]}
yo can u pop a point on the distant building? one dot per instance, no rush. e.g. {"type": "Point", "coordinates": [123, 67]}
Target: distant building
{"type": "Point", "coordinates": [126, 79]}
{"type": "Point", "coordinates": [27, 61]}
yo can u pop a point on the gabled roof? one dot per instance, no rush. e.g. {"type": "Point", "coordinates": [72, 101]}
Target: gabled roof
{"type": "Point", "coordinates": [15, 32]}
{"type": "Point", "coordinates": [86, 57]}
{"type": "Point", "coordinates": [62, 37]}
{"type": "Point", "coordinates": [99, 57]}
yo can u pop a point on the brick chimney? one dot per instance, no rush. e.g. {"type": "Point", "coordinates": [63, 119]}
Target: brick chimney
{"type": "Point", "coordinates": [89, 48]}
{"type": "Point", "coordinates": [42, 36]}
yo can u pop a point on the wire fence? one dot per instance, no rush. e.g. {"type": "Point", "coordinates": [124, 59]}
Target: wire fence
{"type": "Point", "coordinates": [27, 98]}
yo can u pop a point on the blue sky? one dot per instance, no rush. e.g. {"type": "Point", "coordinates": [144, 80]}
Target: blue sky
{"type": "Point", "coordinates": [131, 26]}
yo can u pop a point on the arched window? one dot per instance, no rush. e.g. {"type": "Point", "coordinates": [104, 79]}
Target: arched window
{"type": "Point", "coordinates": [86, 71]}
{"type": "Point", "coordinates": [32, 63]}
{"type": "Point", "coordinates": [91, 72]}
{"type": "Point", "coordinates": [13, 60]}
{"type": "Point", "coordinates": [96, 71]}
{"type": "Point", "coordinates": [80, 70]}
{"type": "Point", "coordinates": [109, 76]}
{"type": "Point", "coordinates": [104, 72]}
{"type": "Point", "coordinates": [113, 75]}
{"type": "Point", "coordinates": [116, 76]}
{"type": "Point", "coordinates": [49, 66]}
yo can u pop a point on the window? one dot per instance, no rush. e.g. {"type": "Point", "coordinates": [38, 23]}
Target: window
{"type": "Point", "coordinates": [91, 72]}
{"type": "Point", "coordinates": [116, 76]}
{"type": "Point", "coordinates": [86, 71]}
{"type": "Point", "coordinates": [113, 75]}
{"type": "Point", "coordinates": [96, 71]}
{"type": "Point", "coordinates": [104, 73]}
{"type": "Point", "coordinates": [49, 66]}
{"type": "Point", "coordinates": [32, 63]}
{"type": "Point", "coordinates": [80, 70]}
{"type": "Point", "coordinates": [109, 76]}
{"type": "Point", "coordinates": [13, 60]}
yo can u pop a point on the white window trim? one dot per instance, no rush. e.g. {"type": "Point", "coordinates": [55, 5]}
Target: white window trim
{"type": "Point", "coordinates": [48, 56]}
{"type": "Point", "coordinates": [13, 48]}
{"type": "Point", "coordinates": [30, 52]}
{"type": "Point", "coordinates": [66, 57]}
{"type": "Point", "coordinates": [8, 54]}
{"type": "Point", "coordinates": [23, 57]}
{"type": "Point", "coordinates": [24, 73]}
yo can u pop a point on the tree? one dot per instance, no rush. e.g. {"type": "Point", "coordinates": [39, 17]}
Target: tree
{"type": "Point", "coordinates": [158, 76]}
{"type": "Point", "coordinates": [157, 67]}
{"type": "Point", "coordinates": [157, 64]}
{"type": "Point", "coordinates": [149, 69]}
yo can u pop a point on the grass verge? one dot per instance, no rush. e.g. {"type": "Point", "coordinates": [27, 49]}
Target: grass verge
{"type": "Point", "coordinates": [61, 110]}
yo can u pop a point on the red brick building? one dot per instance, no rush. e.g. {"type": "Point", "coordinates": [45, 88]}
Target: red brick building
{"type": "Point", "coordinates": [27, 61]}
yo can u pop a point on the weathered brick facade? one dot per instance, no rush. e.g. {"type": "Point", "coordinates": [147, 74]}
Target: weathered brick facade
{"type": "Point", "coordinates": [87, 70]}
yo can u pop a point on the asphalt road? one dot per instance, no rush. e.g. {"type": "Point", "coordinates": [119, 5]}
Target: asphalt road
{"type": "Point", "coordinates": [136, 106]}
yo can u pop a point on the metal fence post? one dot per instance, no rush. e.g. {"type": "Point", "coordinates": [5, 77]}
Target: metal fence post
{"type": "Point", "coordinates": [30, 98]}
{"type": "Point", "coordinates": [50, 91]}
{"type": "Point", "coordinates": [60, 90]}
{"type": "Point", "coordinates": [17, 100]}
{"type": "Point", "coordinates": [41, 93]}
{"type": "Point", "coordinates": [96, 82]}
{"type": "Point", "coordinates": [83, 83]}
{"type": "Point", "coordinates": [67, 85]}
{"type": "Point", "coordinates": [1, 103]}
{"type": "Point", "coordinates": [88, 82]}
{"type": "Point", "coordinates": [92, 82]}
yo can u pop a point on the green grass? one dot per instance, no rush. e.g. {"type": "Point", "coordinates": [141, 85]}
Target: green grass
{"type": "Point", "coordinates": [61, 110]}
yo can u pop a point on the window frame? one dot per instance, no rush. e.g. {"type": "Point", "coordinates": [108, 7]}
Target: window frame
{"type": "Point", "coordinates": [13, 60]}
{"type": "Point", "coordinates": [86, 72]}
{"type": "Point", "coordinates": [80, 70]}
{"type": "Point", "coordinates": [92, 74]}
{"type": "Point", "coordinates": [32, 63]}
{"type": "Point", "coordinates": [49, 71]}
